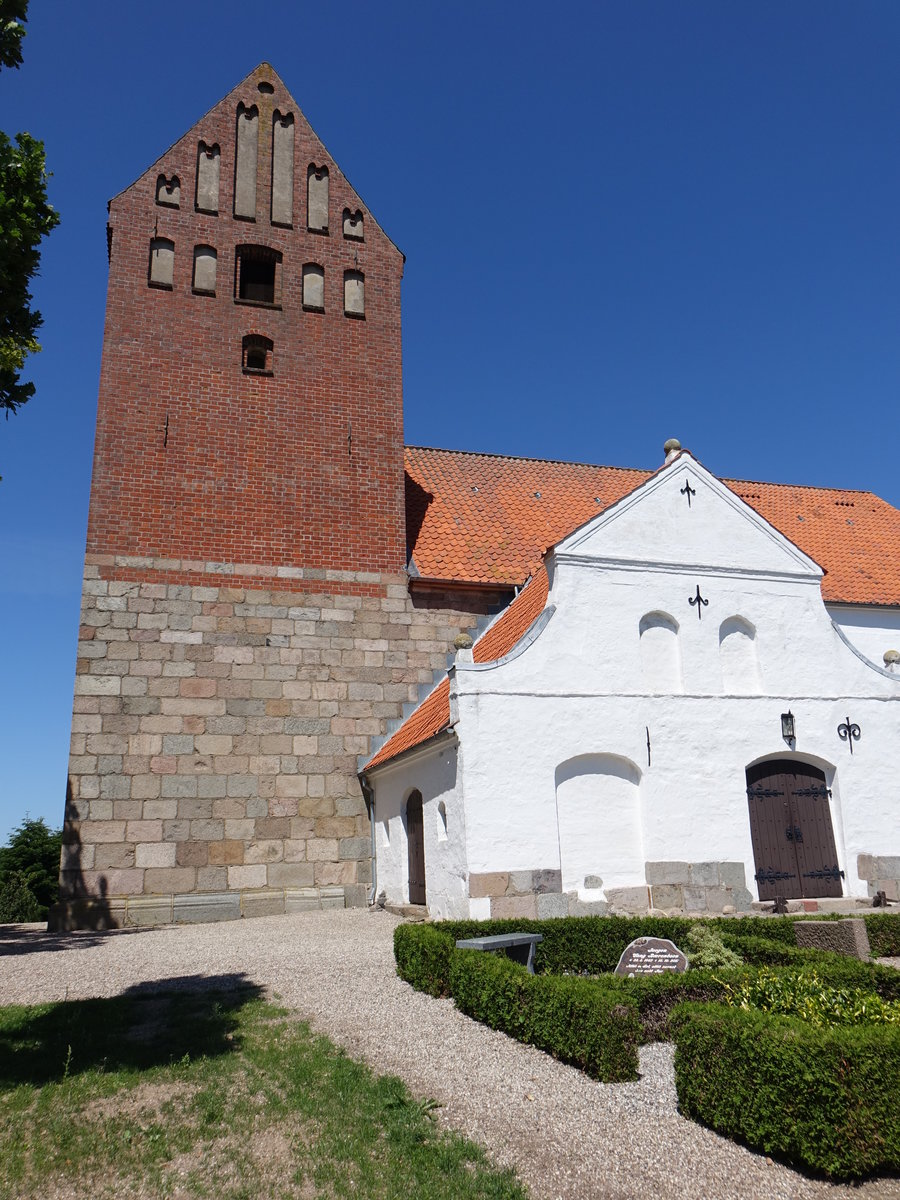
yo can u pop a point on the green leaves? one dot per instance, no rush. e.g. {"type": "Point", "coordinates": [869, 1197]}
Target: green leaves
{"type": "Point", "coordinates": [805, 994]}
{"type": "Point", "coordinates": [32, 857]}
{"type": "Point", "coordinates": [12, 13]}
{"type": "Point", "coordinates": [26, 217]}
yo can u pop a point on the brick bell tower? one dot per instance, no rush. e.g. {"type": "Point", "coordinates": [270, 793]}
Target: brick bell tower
{"type": "Point", "coordinates": [244, 627]}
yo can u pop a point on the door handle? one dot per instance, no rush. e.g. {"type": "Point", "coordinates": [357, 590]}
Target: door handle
{"type": "Point", "coordinates": [794, 833]}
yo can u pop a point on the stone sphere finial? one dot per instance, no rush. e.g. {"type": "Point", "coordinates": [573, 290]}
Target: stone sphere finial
{"type": "Point", "coordinates": [671, 448]}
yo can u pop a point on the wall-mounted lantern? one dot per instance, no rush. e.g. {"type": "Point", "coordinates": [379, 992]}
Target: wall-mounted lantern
{"type": "Point", "coordinates": [787, 726]}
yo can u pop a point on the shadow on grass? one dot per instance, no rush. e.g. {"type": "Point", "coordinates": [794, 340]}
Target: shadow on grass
{"type": "Point", "coordinates": [148, 1025]}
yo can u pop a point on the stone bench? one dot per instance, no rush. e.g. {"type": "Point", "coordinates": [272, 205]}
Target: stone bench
{"type": "Point", "coordinates": [518, 946]}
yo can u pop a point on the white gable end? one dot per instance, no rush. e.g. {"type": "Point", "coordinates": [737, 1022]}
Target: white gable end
{"type": "Point", "coordinates": [684, 519]}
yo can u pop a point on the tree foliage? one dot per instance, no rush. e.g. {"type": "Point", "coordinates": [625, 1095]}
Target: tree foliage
{"type": "Point", "coordinates": [30, 861]}
{"type": "Point", "coordinates": [25, 218]}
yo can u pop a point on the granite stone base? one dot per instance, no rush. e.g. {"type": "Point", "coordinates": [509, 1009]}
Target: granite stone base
{"type": "Point", "coordinates": [120, 912]}
{"type": "Point", "coordinates": [881, 873]}
{"type": "Point", "coordinates": [702, 887]}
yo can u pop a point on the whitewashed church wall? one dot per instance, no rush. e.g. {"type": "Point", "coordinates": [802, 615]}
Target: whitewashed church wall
{"type": "Point", "coordinates": [871, 630]}
{"type": "Point", "coordinates": [691, 800]}
{"type": "Point", "coordinates": [433, 771]}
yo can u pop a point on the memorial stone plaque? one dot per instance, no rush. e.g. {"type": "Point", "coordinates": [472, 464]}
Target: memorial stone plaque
{"type": "Point", "coordinates": [650, 956]}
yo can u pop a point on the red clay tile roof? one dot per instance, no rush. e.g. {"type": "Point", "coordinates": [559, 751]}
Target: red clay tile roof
{"type": "Point", "coordinates": [433, 714]}
{"type": "Point", "coordinates": [483, 518]}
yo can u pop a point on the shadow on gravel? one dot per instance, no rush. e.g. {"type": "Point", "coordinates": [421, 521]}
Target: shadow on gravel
{"type": "Point", "coordinates": [148, 1025]}
{"type": "Point", "coordinates": [34, 939]}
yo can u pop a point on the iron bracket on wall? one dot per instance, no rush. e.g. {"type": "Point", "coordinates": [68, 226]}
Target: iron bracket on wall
{"type": "Point", "coordinates": [699, 602]}
{"type": "Point", "coordinates": [688, 491]}
{"type": "Point", "coordinates": [848, 732]}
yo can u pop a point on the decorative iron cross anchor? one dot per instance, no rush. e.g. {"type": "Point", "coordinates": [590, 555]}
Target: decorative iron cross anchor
{"type": "Point", "coordinates": [688, 491]}
{"type": "Point", "coordinates": [848, 732]}
{"type": "Point", "coordinates": [699, 602]}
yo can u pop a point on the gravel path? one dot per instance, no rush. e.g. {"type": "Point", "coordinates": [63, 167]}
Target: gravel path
{"type": "Point", "coordinates": [566, 1135]}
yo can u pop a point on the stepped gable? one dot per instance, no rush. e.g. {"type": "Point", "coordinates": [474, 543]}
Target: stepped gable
{"type": "Point", "coordinates": [483, 518]}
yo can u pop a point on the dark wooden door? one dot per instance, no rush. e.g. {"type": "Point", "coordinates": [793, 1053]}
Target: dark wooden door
{"type": "Point", "coordinates": [415, 837]}
{"type": "Point", "coordinates": [790, 824]}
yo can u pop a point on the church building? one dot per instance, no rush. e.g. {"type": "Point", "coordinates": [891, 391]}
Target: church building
{"type": "Point", "coordinates": [315, 666]}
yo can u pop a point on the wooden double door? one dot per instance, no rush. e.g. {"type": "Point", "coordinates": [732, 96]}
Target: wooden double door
{"type": "Point", "coordinates": [790, 824]}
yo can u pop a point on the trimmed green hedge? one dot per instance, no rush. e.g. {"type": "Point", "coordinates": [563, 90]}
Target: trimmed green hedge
{"type": "Point", "coordinates": [824, 1099]}
{"type": "Point", "coordinates": [884, 934]}
{"type": "Point", "coordinates": [423, 953]}
{"type": "Point", "coordinates": [569, 1018]}
{"type": "Point", "coordinates": [592, 945]}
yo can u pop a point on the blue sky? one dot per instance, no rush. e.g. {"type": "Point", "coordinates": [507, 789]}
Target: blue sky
{"type": "Point", "coordinates": [623, 222]}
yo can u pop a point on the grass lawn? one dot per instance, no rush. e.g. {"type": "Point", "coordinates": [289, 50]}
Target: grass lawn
{"type": "Point", "coordinates": [216, 1093]}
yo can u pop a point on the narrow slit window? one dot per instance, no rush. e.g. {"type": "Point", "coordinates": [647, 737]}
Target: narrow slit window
{"type": "Point", "coordinates": [257, 275]}
{"type": "Point", "coordinates": [257, 355]}
{"type": "Point", "coordinates": [162, 262]}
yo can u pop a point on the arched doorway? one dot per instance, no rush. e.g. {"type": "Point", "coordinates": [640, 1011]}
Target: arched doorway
{"type": "Point", "coordinates": [790, 824]}
{"type": "Point", "coordinates": [415, 839]}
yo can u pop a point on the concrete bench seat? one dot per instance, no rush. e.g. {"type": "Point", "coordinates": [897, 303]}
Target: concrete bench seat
{"type": "Point", "coordinates": [518, 946]}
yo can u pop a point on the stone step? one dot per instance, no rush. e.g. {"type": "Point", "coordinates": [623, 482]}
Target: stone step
{"type": "Point", "coordinates": [850, 905]}
{"type": "Point", "coordinates": [411, 912]}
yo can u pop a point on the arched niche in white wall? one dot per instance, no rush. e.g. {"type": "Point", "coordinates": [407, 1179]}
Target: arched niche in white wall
{"type": "Point", "coordinates": [738, 657]}
{"type": "Point", "coordinates": [598, 811]}
{"type": "Point", "coordinates": [660, 653]}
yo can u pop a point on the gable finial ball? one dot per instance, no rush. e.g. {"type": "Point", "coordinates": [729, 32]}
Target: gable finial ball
{"type": "Point", "coordinates": [891, 657]}
{"type": "Point", "coordinates": [671, 448]}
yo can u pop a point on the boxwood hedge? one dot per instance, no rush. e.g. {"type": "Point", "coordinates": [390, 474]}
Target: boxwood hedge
{"type": "Point", "coordinates": [823, 1099]}
{"type": "Point", "coordinates": [589, 1027]}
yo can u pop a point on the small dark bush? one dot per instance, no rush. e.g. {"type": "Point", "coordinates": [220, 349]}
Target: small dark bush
{"type": "Point", "coordinates": [707, 949]}
{"type": "Point", "coordinates": [820, 1098]}
{"type": "Point", "coordinates": [17, 901]}
{"type": "Point", "coordinates": [572, 1019]}
{"type": "Point", "coordinates": [884, 934]}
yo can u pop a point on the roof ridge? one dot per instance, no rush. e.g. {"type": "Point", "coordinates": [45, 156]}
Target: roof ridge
{"type": "Point", "coordinates": [566, 462]}
{"type": "Point", "coordinates": [809, 487]}
{"type": "Point", "coordinates": [563, 462]}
